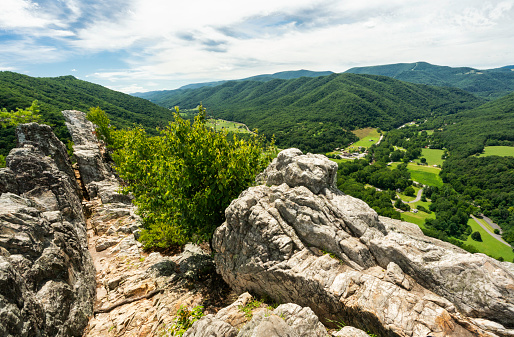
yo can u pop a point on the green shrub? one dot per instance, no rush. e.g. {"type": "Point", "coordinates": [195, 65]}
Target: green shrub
{"type": "Point", "coordinates": [184, 179]}
{"type": "Point", "coordinates": [476, 236]}
{"type": "Point", "coordinates": [185, 319]}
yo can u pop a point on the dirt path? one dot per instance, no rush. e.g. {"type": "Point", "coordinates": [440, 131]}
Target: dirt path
{"type": "Point", "coordinates": [496, 236]}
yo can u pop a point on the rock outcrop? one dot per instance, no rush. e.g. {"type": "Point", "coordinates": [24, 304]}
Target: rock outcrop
{"type": "Point", "coordinates": [137, 294]}
{"type": "Point", "coordinates": [287, 320]}
{"type": "Point", "coordinates": [298, 239]}
{"type": "Point", "coordinates": [46, 272]}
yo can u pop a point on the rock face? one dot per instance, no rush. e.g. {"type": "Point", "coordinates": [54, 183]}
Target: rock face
{"type": "Point", "coordinates": [46, 272]}
{"type": "Point", "coordinates": [298, 239]}
{"type": "Point", "coordinates": [287, 320]}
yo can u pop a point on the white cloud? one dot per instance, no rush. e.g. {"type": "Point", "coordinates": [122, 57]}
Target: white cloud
{"type": "Point", "coordinates": [198, 40]}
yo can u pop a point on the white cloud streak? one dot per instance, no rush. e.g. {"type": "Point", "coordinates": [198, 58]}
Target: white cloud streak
{"type": "Point", "coordinates": [188, 41]}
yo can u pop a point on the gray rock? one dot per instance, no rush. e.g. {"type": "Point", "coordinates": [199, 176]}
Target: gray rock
{"type": "Point", "coordinates": [350, 331]}
{"type": "Point", "coordinates": [47, 278]}
{"type": "Point", "coordinates": [210, 326]}
{"type": "Point", "coordinates": [381, 275]}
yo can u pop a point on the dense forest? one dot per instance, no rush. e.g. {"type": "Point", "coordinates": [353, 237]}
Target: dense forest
{"type": "Point", "coordinates": [316, 114]}
{"type": "Point", "coordinates": [68, 93]}
{"type": "Point", "coordinates": [489, 84]}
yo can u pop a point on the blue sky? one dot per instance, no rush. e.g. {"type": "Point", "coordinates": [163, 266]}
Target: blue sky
{"type": "Point", "coordinates": [142, 45]}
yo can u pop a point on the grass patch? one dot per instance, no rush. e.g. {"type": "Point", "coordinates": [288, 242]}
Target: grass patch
{"type": "Point", "coordinates": [433, 156]}
{"type": "Point", "coordinates": [503, 151]}
{"type": "Point", "coordinates": [426, 175]}
{"type": "Point", "coordinates": [229, 126]}
{"type": "Point", "coordinates": [340, 160]}
{"type": "Point", "coordinates": [489, 245]}
{"type": "Point", "coordinates": [417, 218]}
{"type": "Point", "coordinates": [367, 137]}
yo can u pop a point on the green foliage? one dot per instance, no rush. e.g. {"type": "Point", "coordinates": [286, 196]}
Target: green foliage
{"type": "Point", "coordinates": [20, 116]}
{"type": "Point", "coordinates": [65, 93]}
{"type": "Point", "coordinates": [409, 191]}
{"type": "Point", "coordinates": [104, 130]}
{"type": "Point", "coordinates": [184, 180]}
{"type": "Point", "coordinates": [2, 161]}
{"type": "Point", "coordinates": [490, 83]}
{"type": "Point", "coordinates": [185, 319]}
{"type": "Point", "coordinates": [316, 114]}
{"type": "Point", "coordinates": [476, 236]}
{"type": "Point", "coordinates": [248, 308]}
{"type": "Point", "coordinates": [496, 231]}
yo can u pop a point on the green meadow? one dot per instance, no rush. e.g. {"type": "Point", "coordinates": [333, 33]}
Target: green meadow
{"type": "Point", "coordinates": [503, 151]}
{"type": "Point", "coordinates": [426, 175]}
{"type": "Point", "coordinates": [367, 137]}
{"type": "Point", "coordinates": [433, 156]}
{"type": "Point", "coordinates": [229, 126]}
{"type": "Point", "coordinates": [489, 245]}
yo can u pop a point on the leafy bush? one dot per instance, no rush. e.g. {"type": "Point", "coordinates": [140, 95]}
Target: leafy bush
{"type": "Point", "coordinates": [476, 236]}
{"type": "Point", "coordinates": [20, 116]}
{"type": "Point", "coordinates": [409, 191]}
{"type": "Point", "coordinates": [184, 179]}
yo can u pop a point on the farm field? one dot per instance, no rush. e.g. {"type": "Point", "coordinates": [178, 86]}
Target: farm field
{"type": "Point", "coordinates": [433, 156]}
{"type": "Point", "coordinates": [426, 175]}
{"type": "Point", "coordinates": [367, 137]}
{"type": "Point", "coordinates": [489, 245]}
{"type": "Point", "coordinates": [227, 125]}
{"type": "Point", "coordinates": [503, 151]}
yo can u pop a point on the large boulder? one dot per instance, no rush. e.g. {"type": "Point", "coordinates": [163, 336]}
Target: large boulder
{"type": "Point", "coordinates": [47, 283]}
{"type": "Point", "coordinates": [298, 239]}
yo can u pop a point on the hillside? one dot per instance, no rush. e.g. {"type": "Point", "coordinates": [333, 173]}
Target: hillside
{"type": "Point", "coordinates": [283, 75]}
{"type": "Point", "coordinates": [489, 84]}
{"type": "Point", "coordinates": [316, 114]}
{"type": "Point", "coordinates": [69, 93]}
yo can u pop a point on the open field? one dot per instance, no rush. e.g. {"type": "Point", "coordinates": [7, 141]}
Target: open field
{"type": "Point", "coordinates": [228, 126]}
{"type": "Point", "coordinates": [433, 156]}
{"type": "Point", "coordinates": [489, 245]}
{"type": "Point", "coordinates": [367, 137]}
{"type": "Point", "coordinates": [417, 218]}
{"type": "Point", "coordinates": [503, 151]}
{"type": "Point", "coordinates": [426, 175]}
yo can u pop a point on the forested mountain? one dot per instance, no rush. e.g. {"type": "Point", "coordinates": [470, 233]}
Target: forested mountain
{"type": "Point", "coordinates": [283, 75]}
{"type": "Point", "coordinates": [70, 93]}
{"type": "Point", "coordinates": [489, 84]}
{"type": "Point", "coordinates": [488, 181]}
{"type": "Point", "coordinates": [316, 114]}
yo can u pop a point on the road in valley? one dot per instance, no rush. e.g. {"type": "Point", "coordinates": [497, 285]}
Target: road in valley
{"type": "Point", "coordinates": [496, 236]}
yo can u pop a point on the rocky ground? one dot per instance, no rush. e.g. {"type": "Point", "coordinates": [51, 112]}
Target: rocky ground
{"type": "Point", "coordinates": [320, 258]}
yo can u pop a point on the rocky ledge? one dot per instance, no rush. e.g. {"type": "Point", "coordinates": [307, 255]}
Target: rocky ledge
{"type": "Point", "coordinates": [46, 273]}
{"type": "Point", "coordinates": [296, 238]}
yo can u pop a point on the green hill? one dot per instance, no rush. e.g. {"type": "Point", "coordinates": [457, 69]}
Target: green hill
{"type": "Point", "coordinates": [489, 84]}
{"type": "Point", "coordinates": [68, 93]}
{"type": "Point", "coordinates": [316, 114]}
{"type": "Point", "coordinates": [283, 75]}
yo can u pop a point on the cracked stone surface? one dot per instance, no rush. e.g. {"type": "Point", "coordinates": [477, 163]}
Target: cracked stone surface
{"type": "Point", "coordinates": [381, 275]}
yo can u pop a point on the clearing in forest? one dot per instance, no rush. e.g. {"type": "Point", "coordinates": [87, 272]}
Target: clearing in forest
{"type": "Point", "coordinates": [503, 151]}
{"type": "Point", "coordinates": [367, 137]}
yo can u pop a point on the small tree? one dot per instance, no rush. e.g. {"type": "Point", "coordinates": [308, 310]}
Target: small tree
{"type": "Point", "coordinates": [20, 116]}
{"type": "Point", "coordinates": [409, 191]}
{"type": "Point", "coordinates": [104, 130]}
{"type": "Point", "coordinates": [476, 236]}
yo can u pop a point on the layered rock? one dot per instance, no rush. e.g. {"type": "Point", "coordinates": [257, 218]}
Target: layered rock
{"type": "Point", "coordinates": [46, 272]}
{"type": "Point", "coordinates": [287, 320]}
{"type": "Point", "coordinates": [298, 239]}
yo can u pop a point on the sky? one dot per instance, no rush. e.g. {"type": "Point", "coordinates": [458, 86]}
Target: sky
{"type": "Point", "coordinates": [143, 45]}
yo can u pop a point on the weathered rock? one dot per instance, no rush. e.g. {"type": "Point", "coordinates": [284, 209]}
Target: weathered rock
{"type": "Point", "coordinates": [286, 320]}
{"type": "Point", "coordinates": [46, 273]}
{"type": "Point", "coordinates": [350, 331]}
{"type": "Point", "coordinates": [382, 275]}
{"type": "Point", "coordinates": [97, 175]}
